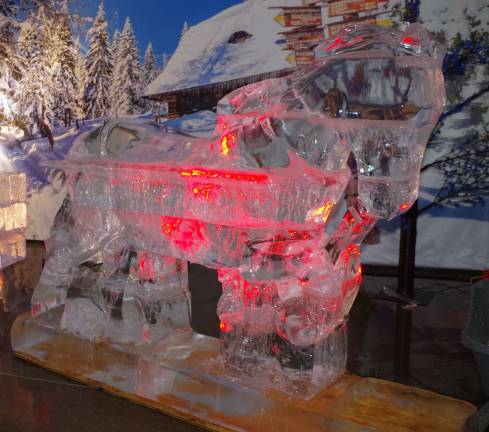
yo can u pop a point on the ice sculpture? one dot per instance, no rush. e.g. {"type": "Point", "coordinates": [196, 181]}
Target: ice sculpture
{"type": "Point", "coordinates": [12, 224]}
{"type": "Point", "coordinates": [262, 201]}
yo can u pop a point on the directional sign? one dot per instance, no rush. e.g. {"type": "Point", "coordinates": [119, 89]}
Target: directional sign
{"type": "Point", "coordinates": [280, 19]}
{"type": "Point", "coordinates": [345, 7]}
{"type": "Point", "coordinates": [299, 16]}
{"type": "Point", "coordinates": [303, 38]}
{"type": "Point", "coordinates": [290, 58]}
{"type": "Point", "coordinates": [304, 57]}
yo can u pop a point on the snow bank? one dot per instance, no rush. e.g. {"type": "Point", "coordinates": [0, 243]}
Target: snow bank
{"type": "Point", "coordinates": [201, 123]}
{"type": "Point", "coordinates": [46, 188]}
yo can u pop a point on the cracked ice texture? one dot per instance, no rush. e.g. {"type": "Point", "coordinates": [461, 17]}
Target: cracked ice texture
{"type": "Point", "coordinates": [261, 200]}
{"type": "Point", "coordinates": [12, 218]}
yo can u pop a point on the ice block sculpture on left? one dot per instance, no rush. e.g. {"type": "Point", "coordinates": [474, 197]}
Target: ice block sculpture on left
{"type": "Point", "coordinates": [261, 201]}
{"type": "Point", "coordinates": [12, 218]}
{"type": "Point", "coordinates": [12, 222]}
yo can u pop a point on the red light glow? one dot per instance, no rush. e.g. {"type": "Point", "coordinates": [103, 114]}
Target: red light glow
{"type": "Point", "coordinates": [409, 40]}
{"type": "Point", "coordinates": [225, 327]}
{"type": "Point", "coordinates": [352, 251]}
{"type": "Point", "coordinates": [146, 267]}
{"type": "Point", "coordinates": [227, 143]}
{"type": "Point", "coordinates": [250, 292]}
{"type": "Point", "coordinates": [338, 42]}
{"type": "Point", "coordinates": [404, 206]}
{"type": "Point", "coordinates": [187, 234]}
{"type": "Point", "coordinates": [322, 211]}
{"type": "Point", "coordinates": [238, 176]}
{"type": "Point", "coordinates": [203, 190]}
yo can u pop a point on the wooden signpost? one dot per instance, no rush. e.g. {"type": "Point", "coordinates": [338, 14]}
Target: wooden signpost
{"type": "Point", "coordinates": [303, 38]}
{"type": "Point", "coordinates": [314, 20]}
{"type": "Point", "coordinates": [299, 16]}
{"type": "Point", "coordinates": [344, 7]}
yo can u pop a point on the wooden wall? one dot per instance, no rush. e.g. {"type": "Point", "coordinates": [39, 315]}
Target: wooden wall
{"type": "Point", "coordinates": [188, 101]}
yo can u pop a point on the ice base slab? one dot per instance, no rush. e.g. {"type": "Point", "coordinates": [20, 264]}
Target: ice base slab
{"type": "Point", "coordinates": [351, 404]}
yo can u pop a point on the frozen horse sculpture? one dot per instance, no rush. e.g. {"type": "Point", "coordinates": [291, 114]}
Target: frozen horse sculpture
{"type": "Point", "coordinates": [261, 201]}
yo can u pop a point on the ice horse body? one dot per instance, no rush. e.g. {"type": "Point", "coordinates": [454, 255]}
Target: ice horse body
{"type": "Point", "coordinates": [261, 201]}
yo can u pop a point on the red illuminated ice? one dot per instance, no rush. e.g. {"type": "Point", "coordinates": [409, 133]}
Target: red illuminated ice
{"type": "Point", "coordinates": [262, 200]}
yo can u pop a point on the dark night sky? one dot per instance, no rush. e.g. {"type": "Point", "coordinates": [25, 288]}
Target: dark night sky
{"type": "Point", "coordinates": [157, 21]}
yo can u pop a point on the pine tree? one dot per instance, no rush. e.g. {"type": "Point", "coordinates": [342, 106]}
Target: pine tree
{"type": "Point", "coordinates": [114, 91]}
{"type": "Point", "coordinates": [129, 80]}
{"type": "Point", "coordinates": [150, 67]}
{"type": "Point", "coordinates": [99, 68]}
{"type": "Point", "coordinates": [64, 65]}
{"type": "Point", "coordinates": [149, 73]}
{"type": "Point", "coordinates": [36, 87]}
{"type": "Point", "coordinates": [81, 79]}
{"type": "Point", "coordinates": [11, 67]}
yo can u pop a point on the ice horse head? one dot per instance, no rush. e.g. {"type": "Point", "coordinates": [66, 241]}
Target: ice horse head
{"type": "Point", "coordinates": [374, 91]}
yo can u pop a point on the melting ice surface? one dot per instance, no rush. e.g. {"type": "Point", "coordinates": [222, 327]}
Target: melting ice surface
{"type": "Point", "coordinates": [262, 200]}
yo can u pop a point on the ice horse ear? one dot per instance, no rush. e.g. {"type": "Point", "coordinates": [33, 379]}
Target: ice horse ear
{"type": "Point", "coordinates": [392, 94]}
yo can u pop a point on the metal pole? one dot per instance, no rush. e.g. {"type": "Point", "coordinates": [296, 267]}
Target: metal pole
{"type": "Point", "coordinates": [405, 287]}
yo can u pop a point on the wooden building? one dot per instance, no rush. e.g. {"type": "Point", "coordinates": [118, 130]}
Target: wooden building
{"type": "Point", "coordinates": [205, 97]}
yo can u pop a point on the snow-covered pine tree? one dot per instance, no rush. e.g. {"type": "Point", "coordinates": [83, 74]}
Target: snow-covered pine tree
{"type": "Point", "coordinates": [129, 80]}
{"type": "Point", "coordinates": [149, 72]}
{"type": "Point", "coordinates": [64, 65]}
{"type": "Point", "coordinates": [114, 90]}
{"type": "Point", "coordinates": [81, 79]}
{"type": "Point", "coordinates": [99, 68]}
{"type": "Point", "coordinates": [10, 64]}
{"type": "Point", "coordinates": [35, 103]}
{"type": "Point", "coordinates": [184, 29]}
{"type": "Point", "coordinates": [150, 67]}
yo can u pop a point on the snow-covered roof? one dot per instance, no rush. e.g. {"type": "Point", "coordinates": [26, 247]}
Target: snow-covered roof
{"type": "Point", "coordinates": [204, 55]}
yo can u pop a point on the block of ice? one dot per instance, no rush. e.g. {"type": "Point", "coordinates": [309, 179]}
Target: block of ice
{"type": "Point", "coordinates": [13, 189]}
{"type": "Point", "coordinates": [260, 201]}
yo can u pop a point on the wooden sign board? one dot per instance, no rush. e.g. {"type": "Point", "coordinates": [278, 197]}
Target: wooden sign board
{"type": "Point", "coordinates": [346, 7]}
{"type": "Point", "coordinates": [301, 16]}
{"type": "Point", "coordinates": [303, 38]}
{"type": "Point", "coordinates": [290, 58]}
{"type": "Point", "coordinates": [304, 57]}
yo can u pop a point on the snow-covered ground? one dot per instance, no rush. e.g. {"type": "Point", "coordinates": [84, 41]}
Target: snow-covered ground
{"type": "Point", "coordinates": [201, 123]}
{"type": "Point", "coordinates": [46, 188]}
